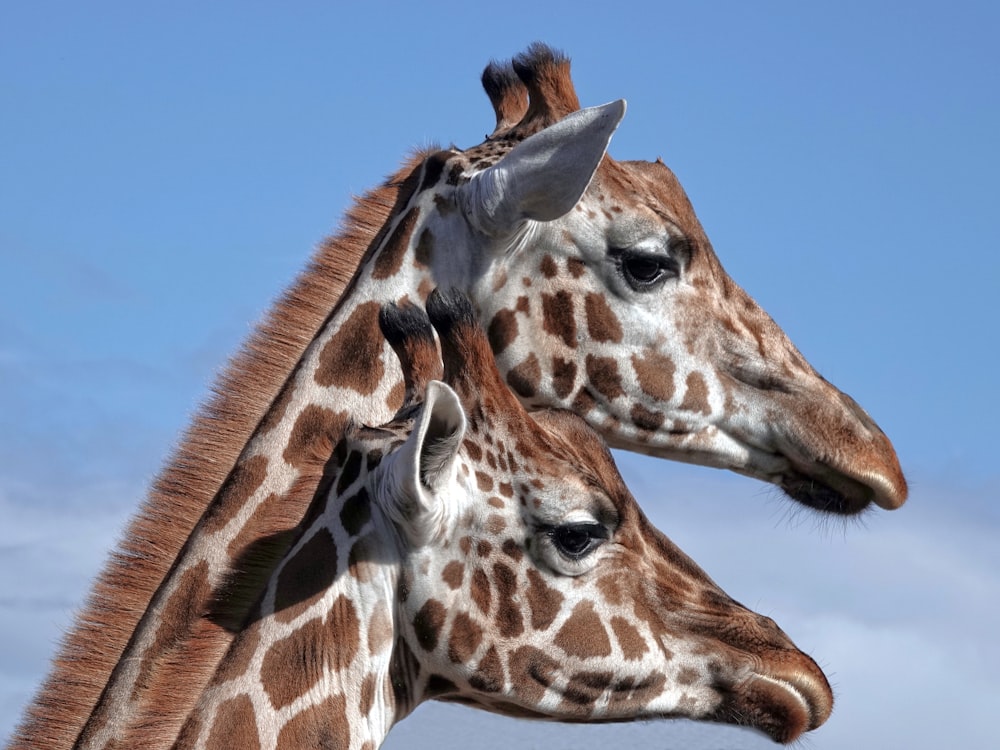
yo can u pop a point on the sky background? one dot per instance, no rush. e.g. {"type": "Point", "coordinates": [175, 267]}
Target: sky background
{"type": "Point", "coordinates": [167, 168]}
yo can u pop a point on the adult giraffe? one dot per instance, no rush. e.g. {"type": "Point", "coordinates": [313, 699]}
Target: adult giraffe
{"type": "Point", "coordinates": [468, 551]}
{"type": "Point", "coordinates": [600, 292]}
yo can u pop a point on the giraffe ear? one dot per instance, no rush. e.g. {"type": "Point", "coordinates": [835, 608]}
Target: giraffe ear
{"type": "Point", "coordinates": [544, 176]}
{"type": "Point", "coordinates": [423, 472]}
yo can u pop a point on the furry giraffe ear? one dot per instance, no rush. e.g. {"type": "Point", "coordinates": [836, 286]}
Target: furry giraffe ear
{"type": "Point", "coordinates": [544, 176]}
{"type": "Point", "coordinates": [422, 471]}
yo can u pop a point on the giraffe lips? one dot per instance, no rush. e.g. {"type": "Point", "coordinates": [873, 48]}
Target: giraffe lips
{"type": "Point", "coordinates": [828, 492]}
{"type": "Point", "coordinates": [783, 707]}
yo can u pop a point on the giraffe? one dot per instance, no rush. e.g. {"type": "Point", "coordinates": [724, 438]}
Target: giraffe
{"type": "Point", "coordinates": [600, 293]}
{"type": "Point", "coordinates": [470, 552]}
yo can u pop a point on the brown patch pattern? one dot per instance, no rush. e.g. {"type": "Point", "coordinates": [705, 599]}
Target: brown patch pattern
{"type": "Point", "coordinates": [602, 323]}
{"type": "Point", "coordinates": [583, 634]}
{"type": "Point", "coordinates": [558, 318]}
{"type": "Point", "coordinates": [352, 357]}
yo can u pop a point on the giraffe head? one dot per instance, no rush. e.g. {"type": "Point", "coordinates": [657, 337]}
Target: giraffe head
{"type": "Point", "coordinates": [530, 582]}
{"type": "Point", "coordinates": [602, 294]}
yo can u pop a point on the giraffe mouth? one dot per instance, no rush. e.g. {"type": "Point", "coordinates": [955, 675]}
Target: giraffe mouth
{"type": "Point", "coordinates": [783, 707]}
{"type": "Point", "coordinates": [829, 492]}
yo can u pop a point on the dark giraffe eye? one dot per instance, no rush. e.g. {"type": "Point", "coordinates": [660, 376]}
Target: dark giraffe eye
{"type": "Point", "coordinates": [645, 271]}
{"type": "Point", "coordinates": [575, 540]}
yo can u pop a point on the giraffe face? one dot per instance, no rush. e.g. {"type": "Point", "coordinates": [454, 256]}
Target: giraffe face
{"type": "Point", "coordinates": [602, 295]}
{"type": "Point", "coordinates": [534, 586]}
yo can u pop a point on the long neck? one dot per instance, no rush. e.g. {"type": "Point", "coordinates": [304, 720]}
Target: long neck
{"type": "Point", "coordinates": [251, 463]}
{"type": "Point", "coordinates": [314, 665]}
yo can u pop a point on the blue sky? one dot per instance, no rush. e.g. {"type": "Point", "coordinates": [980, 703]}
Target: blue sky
{"type": "Point", "coordinates": [167, 168]}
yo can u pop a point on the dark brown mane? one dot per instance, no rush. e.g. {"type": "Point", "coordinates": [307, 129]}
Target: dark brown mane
{"type": "Point", "coordinates": [199, 467]}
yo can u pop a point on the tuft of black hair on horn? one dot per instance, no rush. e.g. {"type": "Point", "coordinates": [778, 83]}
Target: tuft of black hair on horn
{"type": "Point", "coordinates": [400, 323]}
{"type": "Point", "coordinates": [497, 78]}
{"type": "Point", "coordinates": [537, 55]}
{"type": "Point", "coordinates": [448, 308]}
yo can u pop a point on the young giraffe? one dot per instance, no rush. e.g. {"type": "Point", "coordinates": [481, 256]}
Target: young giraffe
{"type": "Point", "coordinates": [601, 294]}
{"type": "Point", "coordinates": [471, 552]}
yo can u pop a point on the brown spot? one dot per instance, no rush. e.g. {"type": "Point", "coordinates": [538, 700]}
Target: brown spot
{"type": "Point", "coordinates": [362, 561]}
{"type": "Point", "coordinates": [576, 267]}
{"type": "Point", "coordinates": [512, 550]}
{"type": "Point", "coordinates": [465, 638]}
{"type": "Point", "coordinates": [472, 450]}
{"type": "Point", "coordinates": [293, 665]}
{"type": "Point", "coordinates": [244, 480]}
{"type": "Point", "coordinates": [465, 544]}
{"type": "Point", "coordinates": [349, 473]}
{"type": "Point", "coordinates": [525, 378]}
{"type": "Point", "coordinates": [234, 726]}
{"type": "Point", "coordinates": [557, 317]}
{"type": "Point", "coordinates": [356, 512]}
{"type": "Point", "coordinates": [646, 419]}
{"type": "Point", "coordinates": [239, 656]}
{"type": "Point", "coordinates": [394, 400]}
{"type": "Point", "coordinates": [523, 305]}
{"type": "Point", "coordinates": [687, 676]}
{"type": "Point", "coordinates": [483, 548]}
{"type": "Point", "coordinates": [696, 395]}
{"type": "Point", "coordinates": [453, 574]}
{"type": "Point", "coordinates": [390, 256]}
{"type": "Point", "coordinates": [583, 402]}
{"type": "Point", "coordinates": [583, 690]}
{"type": "Point", "coordinates": [484, 481]}
{"type": "Point", "coordinates": [532, 671]}
{"type": "Point", "coordinates": [548, 267]}
{"type": "Point", "coordinates": [508, 612]}
{"type": "Point", "coordinates": [342, 621]}
{"type": "Point", "coordinates": [178, 616]}
{"type": "Point", "coordinates": [306, 576]}
{"type": "Point", "coordinates": [480, 591]}
{"type": "Point", "coordinates": [563, 376]}
{"type": "Point", "coordinates": [583, 634]}
{"type": "Point", "coordinates": [323, 725]}
{"type": "Point", "coordinates": [428, 622]}
{"type": "Point", "coordinates": [496, 524]}
{"type": "Point", "coordinates": [500, 280]}
{"type": "Point", "coordinates": [632, 643]}
{"type": "Point", "coordinates": [656, 375]}
{"type": "Point", "coordinates": [495, 502]}
{"type": "Point", "coordinates": [352, 357]}
{"type": "Point", "coordinates": [544, 601]}
{"type": "Point", "coordinates": [367, 698]}
{"type": "Point", "coordinates": [610, 587]}
{"type": "Point", "coordinates": [602, 372]}
{"type": "Point", "coordinates": [506, 489]}
{"type": "Point", "coordinates": [602, 323]}
{"type": "Point", "coordinates": [488, 677]}
{"type": "Point", "coordinates": [424, 254]}
{"type": "Point", "coordinates": [502, 330]}
{"type": "Point", "coordinates": [313, 435]}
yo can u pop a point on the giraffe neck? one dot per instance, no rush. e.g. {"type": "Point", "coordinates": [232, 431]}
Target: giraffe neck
{"type": "Point", "coordinates": [341, 374]}
{"type": "Point", "coordinates": [317, 664]}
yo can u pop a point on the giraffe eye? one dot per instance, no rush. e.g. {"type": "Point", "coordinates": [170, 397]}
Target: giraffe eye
{"type": "Point", "coordinates": [575, 540]}
{"type": "Point", "coordinates": [645, 271]}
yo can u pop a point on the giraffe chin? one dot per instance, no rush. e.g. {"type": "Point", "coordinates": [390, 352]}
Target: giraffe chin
{"type": "Point", "coordinates": [784, 708]}
{"type": "Point", "coordinates": [848, 498]}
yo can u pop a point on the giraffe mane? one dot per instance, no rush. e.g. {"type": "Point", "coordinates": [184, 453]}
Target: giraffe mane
{"type": "Point", "coordinates": [201, 464]}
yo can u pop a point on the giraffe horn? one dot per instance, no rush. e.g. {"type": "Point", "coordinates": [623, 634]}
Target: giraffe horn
{"type": "Point", "coordinates": [409, 333]}
{"type": "Point", "coordinates": [551, 94]}
{"type": "Point", "coordinates": [507, 93]}
{"type": "Point", "coordinates": [469, 366]}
